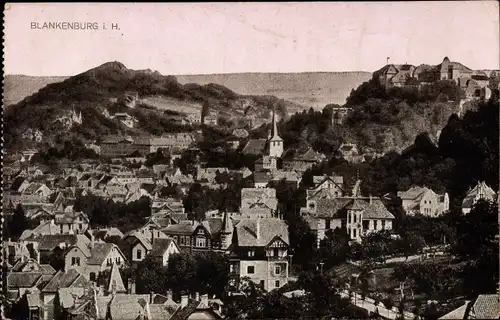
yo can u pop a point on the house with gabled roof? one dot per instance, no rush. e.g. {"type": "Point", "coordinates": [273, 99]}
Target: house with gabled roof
{"type": "Point", "coordinates": [480, 192]}
{"type": "Point", "coordinates": [62, 279]}
{"type": "Point", "coordinates": [71, 221]}
{"type": "Point", "coordinates": [302, 159]}
{"type": "Point", "coordinates": [136, 247]}
{"type": "Point", "coordinates": [424, 201]}
{"type": "Point", "coordinates": [260, 251]}
{"type": "Point", "coordinates": [357, 215]}
{"type": "Point", "coordinates": [46, 227]}
{"type": "Point", "coordinates": [163, 249]}
{"type": "Point", "coordinates": [260, 202]}
{"type": "Point", "coordinates": [92, 258]}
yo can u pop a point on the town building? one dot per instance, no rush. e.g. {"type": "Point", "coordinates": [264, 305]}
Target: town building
{"type": "Point", "coordinates": [339, 114]}
{"type": "Point", "coordinates": [480, 192]}
{"type": "Point", "coordinates": [258, 202]}
{"type": "Point", "coordinates": [355, 214]}
{"type": "Point", "coordinates": [260, 252]}
{"type": "Point", "coordinates": [92, 258]}
{"type": "Point", "coordinates": [128, 120]}
{"type": "Point", "coordinates": [424, 201]}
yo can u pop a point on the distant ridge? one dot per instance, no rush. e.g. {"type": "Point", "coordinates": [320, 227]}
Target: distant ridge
{"type": "Point", "coordinates": [310, 89]}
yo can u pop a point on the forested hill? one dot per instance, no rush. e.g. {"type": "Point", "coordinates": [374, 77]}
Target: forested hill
{"type": "Point", "coordinates": [105, 87]}
{"type": "Point", "coordinates": [384, 120]}
{"type": "Point", "coordinates": [467, 152]}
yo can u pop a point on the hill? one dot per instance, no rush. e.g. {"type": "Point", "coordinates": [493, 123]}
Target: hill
{"type": "Point", "coordinates": [112, 87]}
{"type": "Point", "coordinates": [311, 89]}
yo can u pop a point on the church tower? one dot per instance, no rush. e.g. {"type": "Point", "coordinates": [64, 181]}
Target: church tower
{"type": "Point", "coordinates": [275, 141]}
{"type": "Point", "coordinates": [226, 233]}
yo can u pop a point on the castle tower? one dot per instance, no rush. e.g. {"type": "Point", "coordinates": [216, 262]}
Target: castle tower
{"type": "Point", "coordinates": [275, 141]}
{"type": "Point", "coordinates": [226, 232]}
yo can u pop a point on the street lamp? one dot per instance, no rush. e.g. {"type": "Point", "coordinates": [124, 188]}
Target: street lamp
{"type": "Point", "coordinates": [321, 266]}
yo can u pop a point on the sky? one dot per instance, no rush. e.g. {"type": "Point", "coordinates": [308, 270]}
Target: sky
{"type": "Point", "coordinates": [199, 38]}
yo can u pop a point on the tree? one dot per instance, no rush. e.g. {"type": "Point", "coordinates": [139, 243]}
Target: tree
{"type": "Point", "coordinates": [477, 244]}
{"type": "Point", "coordinates": [150, 276]}
{"type": "Point", "coordinates": [19, 222]}
{"type": "Point", "coordinates": [410, 243]}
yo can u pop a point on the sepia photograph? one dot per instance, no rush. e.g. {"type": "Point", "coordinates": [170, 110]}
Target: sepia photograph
{"type": "Point", "coordinates": [251, 160]}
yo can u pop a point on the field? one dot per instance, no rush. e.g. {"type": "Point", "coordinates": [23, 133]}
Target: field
{"type": "Point", "coordinates": [163, 103]}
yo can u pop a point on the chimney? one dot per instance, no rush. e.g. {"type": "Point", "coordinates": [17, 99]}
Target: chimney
{"type": "Point", "coordinates": [151, 297]}
{"type": "Point", "coordinates": [204, 299]}
{"type": "Point", "coordinates": [184, 300]}
{"type": "Point", "coordinates": [371, 199]}
{"type": "Point", "coordinates": [92, 240]}
{"type": "Point", "coordinates": [169, 295]}
{"type": "Point", "coordinates": [197, 296]}
{"type": "Point", "coordinates": [258, 228]}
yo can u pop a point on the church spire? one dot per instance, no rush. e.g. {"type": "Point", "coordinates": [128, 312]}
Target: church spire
{"type": "Point", "coordinates": [275, 142]}
{"type": "Point", "coordinates": [274, 130]}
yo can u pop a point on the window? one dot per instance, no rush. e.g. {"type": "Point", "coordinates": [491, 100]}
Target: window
{"type": "Point", "coordinates": [75, 261]}
{"type": "Point", "coordinates": [277, 283]}
{"type": "Point", "coordinates": [182, 240]}
{"type": "Point", "coordinates": [383, 224]}
{"type": "Point", "coordinates": [366, 224]}
{"type": "Point", "coordinates": [92, 276]}
{"type": "Point", "coordinates": [139, 254]}
{"type": "Point", "coordinates": [201, 242]}
{"type": "Point", "coordinates": [251, 253]}
{"type": "Point", "coordinates": [250, 269]}
{"type": "Point", "coordinates": [327, 224]}
{"type": "Point", "coordinates": [276, 252]}
{"type": "Point", "coordinates": [376, 224]}
{"type": "Point", "coordinates": [354, 233]}
{"type": "Point", "coordinates": [349, 218]}
{"type": "Point", "coordinates": [277, 270]}
{"type": "Point", "coordinates": [262, 284]}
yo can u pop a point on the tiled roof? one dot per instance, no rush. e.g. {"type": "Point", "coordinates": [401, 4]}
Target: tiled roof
{"type": "Point", "coordinates": [480, 188]}
{"type": "Point", "coordinates": [34, 299]}
{"type": "Point", "coordinates": [71, 217]}
{"type": "Point", "coordinates": [128, 306]}
{"type": "Point", "coordinates": [332, 208]}
{"type": "Point", "coordinates": [68, 296]}
{"type": "Point", "coordinates": [160, 245]}
{"type": "Point", "coordinates": [62, 280]}
{"type": "Point", "coordinates": [23, 279]}
{"type": "Point", "coordinates": [459, 313]}
{"type": "Point", "coordinates": [269, 228]}
{"type": "Point", "coordinates": [251, 196]}
{"type": "Point", "coordinates": [99, 252]}
{"type": "Point", "coordinates": [262, 177]}
{"type": "Point", "coordinates": [292, 176]}
{"type": "Point", "coordinates": [193, 305]}
{"type": "Point", "coordinates": [180, 228]}
{"type": "Point", "coordinates": [161, 311]}
{"type": "Point", "coordinates": [213, 225]}
{"type": "Point", "coordinates": [47, 269]}
{"type": "Point", "coordinates": [255, 146]}
{"type": "Point", "coordinates": [413, 193]}
{"type": "Point", "coordinates": [50, 242]}
{"type": "Point", "coordinates": [487, 306]}
{"type": "Point", "coordinates": [115, 281]}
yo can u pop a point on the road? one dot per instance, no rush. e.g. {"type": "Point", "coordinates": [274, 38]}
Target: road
{"type": "Point", "coordinates": [368, 304]}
